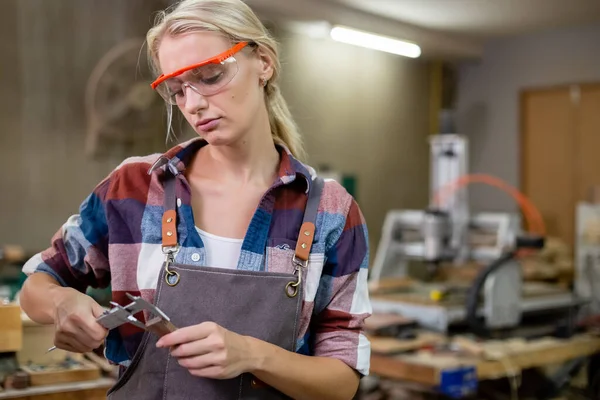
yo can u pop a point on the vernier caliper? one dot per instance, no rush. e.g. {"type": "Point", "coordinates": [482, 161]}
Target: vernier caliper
{"type": "Point", "coordinates": [119, 315]}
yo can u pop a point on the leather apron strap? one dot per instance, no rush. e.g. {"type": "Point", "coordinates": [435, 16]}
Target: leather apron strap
{"type": "Point", "coordinates": [305, 236]}
{"type": "Point", "coordinates": [307, 231]}
{"type": "Point", "coordinates": [169, 219]}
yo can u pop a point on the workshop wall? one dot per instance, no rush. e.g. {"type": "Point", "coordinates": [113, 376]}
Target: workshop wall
{"type": "Point", "coordinates": [362, 113]}
{"type": "Point", "coordinates": [488, 96]}
{"type": "Point", "coordinates": [49, 49]}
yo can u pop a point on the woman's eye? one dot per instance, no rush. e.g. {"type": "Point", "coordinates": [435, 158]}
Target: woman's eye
{"type": "Point", "coordinates": [177, 95]}
{"type": "Point", "coordinates": [211, 80]}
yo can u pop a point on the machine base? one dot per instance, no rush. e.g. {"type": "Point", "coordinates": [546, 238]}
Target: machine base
{"type": "Point", "coordinates": [440, 317]}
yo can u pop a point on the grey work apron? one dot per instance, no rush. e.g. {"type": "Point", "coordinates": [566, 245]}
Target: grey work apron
{"type": "Point", "coordinates": [263, 305]}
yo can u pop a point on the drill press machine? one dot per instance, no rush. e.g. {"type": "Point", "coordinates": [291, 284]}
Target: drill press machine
{"type": "Point", "coordinates": [448, 233]}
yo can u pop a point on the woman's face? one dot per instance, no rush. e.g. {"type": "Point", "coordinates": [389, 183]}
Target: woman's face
{"type": "Point", "coordinates": [227, 116]}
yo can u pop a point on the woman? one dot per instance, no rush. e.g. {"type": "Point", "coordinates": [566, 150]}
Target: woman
{"type": "Point", "coordinates": [217, 233]}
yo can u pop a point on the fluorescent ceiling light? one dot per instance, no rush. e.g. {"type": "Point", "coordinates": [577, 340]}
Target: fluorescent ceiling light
{"type": "Point", "coordinates": [375, 42]}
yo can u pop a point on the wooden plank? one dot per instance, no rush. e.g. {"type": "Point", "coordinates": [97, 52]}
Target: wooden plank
{"type": "Point", "coordinates": [90, 394]}
{"type": "Point", "coordinates": [390, 285]}
{"type": "Point", "coordinates": [388, 345]}
{"type": "Point", "coordinates": [396, 368]}
{"type": "Point", "coordinates": [11, 328]}
{"type": "Point", "coordinates": [421, 299]}
{"type": "Point", "coordinates": [87, 371]}
{"type": "Point", "coordinates": [378, 321]}
{"type": "Point", "coordinates": [539, 354]}
{"type": "Point", "coordinates": [91, 390]}
{"type": "Point", "coordinates": [426, 367]}
{"type": "Point", "coordinates": [37, 339]}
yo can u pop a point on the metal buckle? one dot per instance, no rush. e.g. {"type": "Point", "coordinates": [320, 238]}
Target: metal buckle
{"type": "Point", "coordinates": [171, 277]}
{"type": "Point", "coordinates": [162, 160]}
{"type": "Point", "coordinates": [298, 262]}
{"type": "Point", "coordinates": [171, 249]}
{"type": "Point", "coordinates": [292, 288]}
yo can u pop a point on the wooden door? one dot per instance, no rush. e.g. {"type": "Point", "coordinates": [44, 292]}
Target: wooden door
{"type": "Point", "coordinates": [547, 157]}
{"type": "Point", "coordinates": [587, 155]}
{"type": "Point", "coordinates": [559, 152]}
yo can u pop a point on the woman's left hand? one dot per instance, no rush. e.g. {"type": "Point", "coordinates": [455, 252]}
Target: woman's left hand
{"type": "Point", "coordinates": [209, 350]}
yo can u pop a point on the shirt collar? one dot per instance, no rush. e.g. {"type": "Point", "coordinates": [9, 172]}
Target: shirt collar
{"type": "Point", "coordinates": [290, 167]}
{"type": "Point", "coordinates": [177, 158]}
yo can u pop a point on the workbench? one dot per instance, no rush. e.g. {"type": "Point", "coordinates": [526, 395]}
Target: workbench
{"type": "Point", "coordinates": [415, 361]}
{"type": "Point", "coordinates": [89, 390]}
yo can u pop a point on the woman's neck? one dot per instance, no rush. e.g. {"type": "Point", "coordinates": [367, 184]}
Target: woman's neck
{"type": "Point", "coordinates": [253, 161]}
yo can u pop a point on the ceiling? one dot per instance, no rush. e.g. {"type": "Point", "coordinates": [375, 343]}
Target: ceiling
{"type": "Point", "coordinates": [442, 28]}
{"type": "Point", "coordinates": [484, 18]}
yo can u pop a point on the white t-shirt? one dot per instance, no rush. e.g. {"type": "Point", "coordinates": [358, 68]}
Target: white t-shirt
{"type": "Point", "coordinates": [221, 252]}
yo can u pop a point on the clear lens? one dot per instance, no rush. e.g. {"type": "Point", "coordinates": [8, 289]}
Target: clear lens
{"type": "Point", "coordinates": [206, 80]}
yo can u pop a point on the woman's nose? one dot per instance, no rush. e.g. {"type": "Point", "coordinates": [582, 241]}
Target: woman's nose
{"type": "Point", "coordinates": [194, 101]}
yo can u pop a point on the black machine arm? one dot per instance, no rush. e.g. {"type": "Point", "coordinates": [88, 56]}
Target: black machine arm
{"type": "Point", "coordinates": [473, 295]}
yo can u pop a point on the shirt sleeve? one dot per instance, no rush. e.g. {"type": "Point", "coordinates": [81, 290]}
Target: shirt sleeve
{"type": "Point", "coordinates": [339, 326]}
{"type": "Point", "coordinates": [78, 255]}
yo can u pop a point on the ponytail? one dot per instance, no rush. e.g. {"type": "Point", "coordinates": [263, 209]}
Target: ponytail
{"type": "Point", "coordinates": [283, 127]}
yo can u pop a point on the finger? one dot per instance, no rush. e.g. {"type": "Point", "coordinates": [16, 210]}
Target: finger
{"type": "Point", "coordinates": [66, 347]}
{"type": "Point", "coordinates": [69, 325]}
{"type": "Point", "coordinates": [71, 344]}
{"type": "Point", "coordinates": [87, 326]}
{"type": "Point", "coordinates": [93, 330]}
{"type": "Point", "coordinates": [76, 332]}
{"type": "Point", "coordinates": [200, 362]}
{"type": "Point", "coordinates": [91, 326]}
{"type": "Point", "coordinates": [187, 334]}
{"type": "Point", "coordinates": [84, 339]}
{"type": "Point", "coordinates": [209, 372]}
{"type": "Point", "coordinates": [97, 310]}
{"type": "Point", "coordinates": [195, 348]}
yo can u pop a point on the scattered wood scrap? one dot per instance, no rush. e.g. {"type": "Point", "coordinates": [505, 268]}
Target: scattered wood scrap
{"type": "Point", "coordinates": [389, 345]}
{"type": "Point", "coordinates": [492, 359]}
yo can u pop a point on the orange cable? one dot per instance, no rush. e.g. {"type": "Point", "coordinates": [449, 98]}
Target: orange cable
{"type": "Point", "coordinates": [534, 219]}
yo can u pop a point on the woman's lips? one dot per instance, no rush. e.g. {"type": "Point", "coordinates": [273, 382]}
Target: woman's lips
{"type": "Point", "coordinates": [208, 124]}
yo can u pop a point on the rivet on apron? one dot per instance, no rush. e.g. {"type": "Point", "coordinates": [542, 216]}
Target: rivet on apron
{"type": "Point", "coordinates": [169, 233]}
{"type": "Point", "coordinates": [307, 233]}
{"type": "Point", "coordinates": [303, 245]}
{"type": "Point", "coordinates": [169, 220]}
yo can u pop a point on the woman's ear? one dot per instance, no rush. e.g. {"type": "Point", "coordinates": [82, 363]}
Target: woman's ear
{"type": "Point", "coordinates": [265, 65]}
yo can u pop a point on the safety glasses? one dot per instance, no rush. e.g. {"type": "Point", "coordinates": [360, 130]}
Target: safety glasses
{"type": "Point", "coordinates": [205, 78]}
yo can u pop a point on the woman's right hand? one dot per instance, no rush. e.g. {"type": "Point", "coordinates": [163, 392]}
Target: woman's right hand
{"type": "Point", "coordinates": [75, 314]}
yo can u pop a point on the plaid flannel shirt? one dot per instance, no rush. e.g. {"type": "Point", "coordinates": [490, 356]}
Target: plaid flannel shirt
{"type": "Point", "coordinates": [115, 240]}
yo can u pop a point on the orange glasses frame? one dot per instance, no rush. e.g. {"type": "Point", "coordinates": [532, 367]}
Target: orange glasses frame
{"type": "Point", "coordinates": [214, 60]}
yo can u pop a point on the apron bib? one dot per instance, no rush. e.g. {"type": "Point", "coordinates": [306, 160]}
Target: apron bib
{"type": "Point", "coordinates": [263, 305]}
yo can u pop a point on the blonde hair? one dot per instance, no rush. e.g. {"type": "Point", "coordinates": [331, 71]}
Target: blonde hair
{"type": "Point", "coordinates": [236, 21]}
